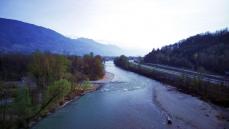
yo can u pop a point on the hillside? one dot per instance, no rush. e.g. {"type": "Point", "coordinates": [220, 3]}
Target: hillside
{"type": "Point", "coordinates": [207, 52]}
{"type": "Point", "coordinates": [17, 36]}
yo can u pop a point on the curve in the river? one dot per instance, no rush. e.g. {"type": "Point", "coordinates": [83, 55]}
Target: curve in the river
{"type": "Point", "coordinates": [126, 105]}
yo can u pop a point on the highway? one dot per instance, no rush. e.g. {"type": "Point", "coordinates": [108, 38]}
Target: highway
{"type": "Point", "coordinates": [215, 79]}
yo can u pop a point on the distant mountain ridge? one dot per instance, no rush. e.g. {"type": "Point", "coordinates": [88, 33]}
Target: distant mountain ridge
{"type": "Point", "coordinates": [21, 37]}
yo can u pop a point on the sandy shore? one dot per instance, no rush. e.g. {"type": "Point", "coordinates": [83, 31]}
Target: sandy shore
{"type": "Point", "coordinates": [95, 86]}
{"type": "Point", "coordinates": [188, 110]}
{"type": "Point", "coordinates": [107, 77]}
{"type": "Point", "coordinates": [99, 83]}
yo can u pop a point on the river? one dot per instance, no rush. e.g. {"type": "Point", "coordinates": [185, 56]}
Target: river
{"type": "Point", "coordinates": [127, 102]}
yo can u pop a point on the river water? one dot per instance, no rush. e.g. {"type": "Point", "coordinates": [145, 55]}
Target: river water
{"type": "Point", "coordinates": [125, 103]}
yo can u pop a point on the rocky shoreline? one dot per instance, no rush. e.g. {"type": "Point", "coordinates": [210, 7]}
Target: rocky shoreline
{"type": "Point", "coordinates": [177, 105]}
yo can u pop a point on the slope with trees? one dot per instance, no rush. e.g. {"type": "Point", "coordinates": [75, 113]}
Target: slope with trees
{"type": "Point", "coordinates": [207, 52]}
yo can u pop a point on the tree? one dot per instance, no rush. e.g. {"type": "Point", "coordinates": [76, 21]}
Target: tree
{"type": "Point", "coordinates": [77, 69]}
{"type": "Point", "coordinates": [206, 51]}
{"type": "Point", "coordinates": [122, 61]}
{"type": "Point", "coordinates": [3, 105]}
{"type": "Point", "coordinates": [47, 68]}
{"type": "Point", "coordinates": [23, 105]}
{"type": "Point", "coordinates": [59, 89]}
{"type": "Point", "coordinates": [97, 68]}
{"type": "Point", "coordinates": [86, 85]}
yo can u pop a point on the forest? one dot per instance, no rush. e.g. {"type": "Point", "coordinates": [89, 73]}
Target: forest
{"type": "Point", "coordinates": [33, 85]}
{"type": "Point", "coordinates": [207, 52]}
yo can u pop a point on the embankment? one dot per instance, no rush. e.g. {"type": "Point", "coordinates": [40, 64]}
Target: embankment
{"type": "Point", "coordinates": [216, 93]}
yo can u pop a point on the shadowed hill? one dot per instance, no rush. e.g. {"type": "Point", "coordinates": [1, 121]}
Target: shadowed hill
{"type": "Point", "coordinates": [17, 36]}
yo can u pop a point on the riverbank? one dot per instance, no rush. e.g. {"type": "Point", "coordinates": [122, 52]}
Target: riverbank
{"type": "Point", "coordinates": [216, 93]}
{"type": "Point", "coordinates": [75, 96]}
{"type": "Point", "coordinates": [95, 86]}
{"type": "Point", "coordinates": [190, 112]}
{"type": "Point", "coordinates": [182, 110]}
{"type": "Point", "coordinates": [99, 83]}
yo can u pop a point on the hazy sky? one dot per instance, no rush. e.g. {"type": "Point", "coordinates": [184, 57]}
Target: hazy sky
{"type": "Point", "coordinates": [143, 24]}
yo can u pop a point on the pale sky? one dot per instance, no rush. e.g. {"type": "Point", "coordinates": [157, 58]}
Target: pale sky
{"type": "Point", "coordinates": [136, 24]}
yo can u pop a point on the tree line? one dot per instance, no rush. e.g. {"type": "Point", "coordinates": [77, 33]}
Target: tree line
{"type": "Point", "coordinates": [33, 85]}
{"type": "Point", "coordinates": [207, 52]}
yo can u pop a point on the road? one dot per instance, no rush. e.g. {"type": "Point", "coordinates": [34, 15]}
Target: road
{"type": "Point", "coordinates": [215, 79]}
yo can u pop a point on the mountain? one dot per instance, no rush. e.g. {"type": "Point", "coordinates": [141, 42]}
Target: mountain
{"type": "Point", "coordinates": [207, 52]}
{"type": "Point", "coordinates": [17, 36]}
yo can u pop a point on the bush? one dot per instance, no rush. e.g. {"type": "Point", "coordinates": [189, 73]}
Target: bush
{"type": "Point", "coordinates": [86, 85]}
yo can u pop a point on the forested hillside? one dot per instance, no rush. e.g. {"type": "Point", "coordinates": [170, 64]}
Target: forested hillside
{"type": "Point", "coordinates": [206, 52]}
